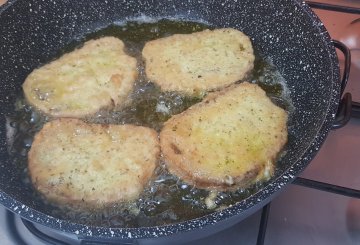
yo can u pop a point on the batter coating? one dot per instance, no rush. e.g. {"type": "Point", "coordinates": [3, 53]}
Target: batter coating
{"type": "Point", "coordinates": [229, 140]}
{"type": "Point", "coordinates": [99, 74]}
{"type": "Point", "coordinates": [72, 162]}
{"type": "Point", "coordinates": [195, 63]}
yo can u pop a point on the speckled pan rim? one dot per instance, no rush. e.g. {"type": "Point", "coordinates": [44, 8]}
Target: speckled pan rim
{"type": "Point", "coordinates": [6, 5]}
{"type": "Point", "coordinates": [258, 199]}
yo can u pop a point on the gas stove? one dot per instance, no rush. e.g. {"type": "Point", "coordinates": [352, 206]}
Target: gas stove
{"type": "Point", "coordinates": [321, 207]}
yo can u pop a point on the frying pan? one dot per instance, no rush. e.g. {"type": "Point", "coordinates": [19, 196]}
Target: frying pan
{"type": "Point", "coordinates": [286, 31]}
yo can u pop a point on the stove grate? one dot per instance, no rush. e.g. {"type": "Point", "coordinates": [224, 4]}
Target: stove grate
{"type": "Point", "coordinates": [313, 184]}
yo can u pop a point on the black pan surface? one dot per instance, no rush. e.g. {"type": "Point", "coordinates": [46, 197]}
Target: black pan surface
{"type": "Point", "coordinates": [287, 31]}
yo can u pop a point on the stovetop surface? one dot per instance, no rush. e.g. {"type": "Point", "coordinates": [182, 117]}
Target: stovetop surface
{"type": "Point", "coordinates": [298, 215]}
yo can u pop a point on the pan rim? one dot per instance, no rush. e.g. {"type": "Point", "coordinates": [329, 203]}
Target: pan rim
{"type": "Point", "coordinates": [237, 209]}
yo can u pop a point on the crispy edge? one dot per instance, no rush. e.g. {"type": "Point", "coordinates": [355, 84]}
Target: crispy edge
{"type": "Point", "coordinates": [51, 193]}
{"type": "Point", "coordinates": [175, 162]}
{"type": "Point", "coordinates": [195, 91]}
{"type": "Point", "coordinates": [116, 79]}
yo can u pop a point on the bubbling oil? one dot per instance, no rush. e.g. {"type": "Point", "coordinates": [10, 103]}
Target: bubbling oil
{"type": "Point", "coordinates": [166, 199]}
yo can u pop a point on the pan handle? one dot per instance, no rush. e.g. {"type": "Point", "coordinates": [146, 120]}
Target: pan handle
{"type": "Point", "coordinates": [343, 113]}
{"type": "Point", "coordinates": [355, 112]}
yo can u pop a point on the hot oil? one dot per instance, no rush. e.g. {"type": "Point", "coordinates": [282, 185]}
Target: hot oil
{"type": "Point", "coordinates": [148, 105]}
{"type": "Point", "coordinates": [167, 199]}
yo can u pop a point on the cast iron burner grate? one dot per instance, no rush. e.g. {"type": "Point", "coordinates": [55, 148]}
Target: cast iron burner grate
{"type": "Point", "coordinates": [347, 109]}
{"type": "Point", "coordinates": [354, 112]}
{"type": "Point", "coordinates": [355, 106]}
{"type": "Point", "coordinates": [309, 184]}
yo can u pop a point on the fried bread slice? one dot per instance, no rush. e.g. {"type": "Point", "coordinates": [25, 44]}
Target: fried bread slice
{"type": "Point", "coordinates": [99, 74]}
{"type": "Point", "coordinates": [73, 162]}
{"type": "Point", "coordinates": [195, 63]}
{"type": "Point", "coordinates": [229, 140]}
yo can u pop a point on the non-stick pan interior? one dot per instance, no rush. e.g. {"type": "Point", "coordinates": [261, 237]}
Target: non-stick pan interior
{"type": "Point", "coordinates": [32, 33]}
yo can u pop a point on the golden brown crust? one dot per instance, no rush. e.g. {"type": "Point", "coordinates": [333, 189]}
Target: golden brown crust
{"type": "Point", "coordinates": [229, 140]}
{"type": "Point", "coordinates": [198, 62]}
{"type": "Point", "coordinates": [72, 162]}
{"type": "Point", "coordinates": [99, 74]}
